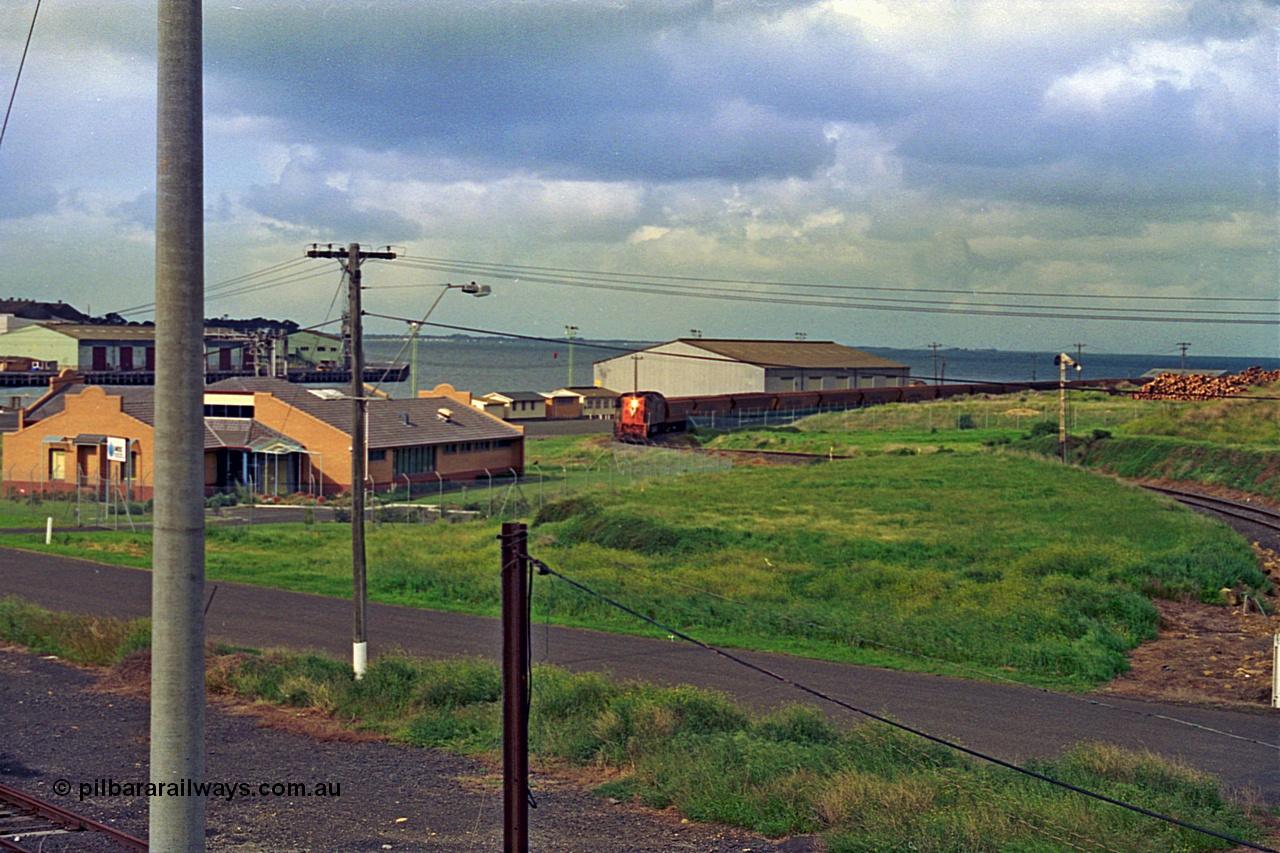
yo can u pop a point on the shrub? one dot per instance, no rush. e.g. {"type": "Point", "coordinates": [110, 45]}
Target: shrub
{"type": "Point", "coordinates": [1043, 428]}
{"type": "Point", "coordinates": [965, 421]}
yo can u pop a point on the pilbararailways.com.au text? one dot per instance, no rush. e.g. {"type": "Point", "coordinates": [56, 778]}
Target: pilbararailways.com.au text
{"type": "Point", "coordinates": [189, 788]}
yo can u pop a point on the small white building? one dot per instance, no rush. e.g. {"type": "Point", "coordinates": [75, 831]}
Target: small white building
{"type": "Point", "coordinates": [695, 367]}
{"type": "Point", "coordinates": [513, 405]}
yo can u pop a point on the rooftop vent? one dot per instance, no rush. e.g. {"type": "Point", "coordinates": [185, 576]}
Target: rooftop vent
{"type": "Point", "coordinates": [444, 414]}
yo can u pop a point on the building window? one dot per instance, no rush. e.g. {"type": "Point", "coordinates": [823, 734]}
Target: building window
{"type": "Point", "coordinates": [415, 460]}
{"type": "Point", "coordinates": [223, 411]}
{"type": "Point", "coordinates": [378, 455]}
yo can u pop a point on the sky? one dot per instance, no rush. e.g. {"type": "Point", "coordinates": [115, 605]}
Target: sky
{"type": "Point", "coordinates": [975, 161]}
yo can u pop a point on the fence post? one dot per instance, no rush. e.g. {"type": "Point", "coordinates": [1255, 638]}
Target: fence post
{"type": "Point", "coordinates": [1275, 672]}
{"type": "Point", "coordinates": [515, 688]}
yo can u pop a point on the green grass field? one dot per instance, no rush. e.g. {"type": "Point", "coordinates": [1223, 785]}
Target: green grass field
{"type": "Point", "coordinates": [1015, 566]}
{"type": "Point", "coordinates": [865, 788]}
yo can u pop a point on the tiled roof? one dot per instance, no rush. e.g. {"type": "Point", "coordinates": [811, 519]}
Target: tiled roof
{"type": "Point", "coordinates": [139, 402]}
{"type": "Point", "coordinates": [240, 434]}
{"type": "Point", "coordinates": [392, 423]}
{"type": "Point", "coordinates": [806, 354]}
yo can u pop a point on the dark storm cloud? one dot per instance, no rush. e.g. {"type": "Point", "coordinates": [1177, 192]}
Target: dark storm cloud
{"type": "Point", "coordinates": [577, 89]}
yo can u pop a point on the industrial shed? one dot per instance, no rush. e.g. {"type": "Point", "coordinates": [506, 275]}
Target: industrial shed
{"type": "Point", "coordinates": [113, 348]}
{"type": "Point", "coordinates": [691, 367]}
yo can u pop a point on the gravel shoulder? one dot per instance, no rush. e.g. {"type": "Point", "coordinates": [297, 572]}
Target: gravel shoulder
{"type": "Point", "coordinates": [59, 723]}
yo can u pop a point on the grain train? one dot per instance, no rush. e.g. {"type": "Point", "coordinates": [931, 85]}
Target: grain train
{"type": "Point", "coordinates": [643, 415]}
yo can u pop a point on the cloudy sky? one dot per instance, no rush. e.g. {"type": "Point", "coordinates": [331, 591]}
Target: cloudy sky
{"type": "Point", "coordinates": [979, 173]}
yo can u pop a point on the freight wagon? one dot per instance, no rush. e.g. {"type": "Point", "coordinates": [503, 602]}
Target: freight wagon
{"type": "Point", "coordinates": [645, 414]}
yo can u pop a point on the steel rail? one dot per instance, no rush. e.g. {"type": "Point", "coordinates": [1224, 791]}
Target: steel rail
{"type": "Point", "coordinates": [1236, 509]}
{"type": "Point", "coordinates": [62, 820]}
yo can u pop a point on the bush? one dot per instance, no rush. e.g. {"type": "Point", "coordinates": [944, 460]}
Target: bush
{"type": "Point", "coordinates": [1100, 434]}
{"type": "Point", "coordinates": [965, 421]}
{"type": "Point", "coordinates": [1043, 428]}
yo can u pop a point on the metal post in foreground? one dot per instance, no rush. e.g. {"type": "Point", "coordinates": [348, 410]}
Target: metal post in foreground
{"type": "Point", "coordinates": [177, 823]}
{"type": "Point", "coordinates": [515, 688]}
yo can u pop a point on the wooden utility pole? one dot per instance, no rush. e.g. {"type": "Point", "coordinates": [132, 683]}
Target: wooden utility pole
{"type": "Point", "coordinates": [1184, 346]}
{"type": "Point", "coordinates": [934, 347]}
{"type": "Point", "coordinates": [177, 823]}
{"type": "Point", "coordinates": [351, 258]}
{"type": "Point", "coordinates": [515, 687]}
{"type": "Point", "coordinates": [1063, 361]}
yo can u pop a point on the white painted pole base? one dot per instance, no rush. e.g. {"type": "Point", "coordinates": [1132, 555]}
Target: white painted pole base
{"type": "Point", "coordinates": [1275, 672]}
{"type": "Point", "coordinates": [48, 531]}
{"type": "Point", "coordinates": [359, 658]}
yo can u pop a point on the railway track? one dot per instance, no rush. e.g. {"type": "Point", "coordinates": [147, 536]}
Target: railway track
{"type": "Point", "coordinates": [30, 820]}
{"type": "Point", "coordinates": [1261, 516]}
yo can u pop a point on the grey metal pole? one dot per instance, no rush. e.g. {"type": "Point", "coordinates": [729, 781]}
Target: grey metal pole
{"type": "Point", "coordinates": [359, 637]}
{"type": "Point", "coordinates": [177, 823]}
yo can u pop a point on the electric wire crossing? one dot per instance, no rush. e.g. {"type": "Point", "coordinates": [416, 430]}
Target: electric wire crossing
{"type": "Point", "coordinates": [544, 569]}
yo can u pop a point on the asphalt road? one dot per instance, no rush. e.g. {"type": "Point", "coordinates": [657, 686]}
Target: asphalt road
{"type": "Point", "coordinates": [1010, 722]}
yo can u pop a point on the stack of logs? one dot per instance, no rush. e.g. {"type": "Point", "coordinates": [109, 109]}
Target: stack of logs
{"type": "Point", "coordinates": [1171, 386]}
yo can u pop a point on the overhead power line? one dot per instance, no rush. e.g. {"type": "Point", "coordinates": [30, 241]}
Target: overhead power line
{"type": "Point", "coordinates": [500, 270]}
{"type": "Point", "coordinates": [544, 569]}
{"type": "Point", "coordinates": [791, 293]}
{"type": "Point", "coordinates": [18, 76]}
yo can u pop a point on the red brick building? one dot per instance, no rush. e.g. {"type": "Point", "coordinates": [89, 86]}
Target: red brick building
{"type": "Point", "coordinates": [276, 436]}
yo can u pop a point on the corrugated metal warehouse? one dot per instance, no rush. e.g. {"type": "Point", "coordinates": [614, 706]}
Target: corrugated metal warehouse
{"type": "Point", "coordinates": [704, 366]}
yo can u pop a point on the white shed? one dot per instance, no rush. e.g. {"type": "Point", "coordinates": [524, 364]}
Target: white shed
{"type": "Point", "coordinates": [691, 367]}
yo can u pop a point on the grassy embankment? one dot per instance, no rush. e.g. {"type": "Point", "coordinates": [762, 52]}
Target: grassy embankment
{"type": "Point", "coordinates": [1004, 563]}
{"type": "Point", "coordinates": [1231, 442]}
{"type": "Point", "coordinates": [866, 789]}
{"type": "Point", "coordinates": [962, 425]}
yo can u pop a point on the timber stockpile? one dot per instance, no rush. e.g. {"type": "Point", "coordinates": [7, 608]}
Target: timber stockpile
{"type": "Point", "coordinates": [1172, 386]}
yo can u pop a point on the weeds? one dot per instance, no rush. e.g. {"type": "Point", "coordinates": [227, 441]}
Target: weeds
{"type": "Point", "coordinates": [868, 788]}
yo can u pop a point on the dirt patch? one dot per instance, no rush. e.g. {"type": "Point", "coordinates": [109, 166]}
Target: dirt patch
{"type": "Point", "coordinates": [1204, 654]}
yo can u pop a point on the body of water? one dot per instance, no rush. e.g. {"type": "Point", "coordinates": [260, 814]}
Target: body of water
{"type": "Point", "coordinates": [483, 365]}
